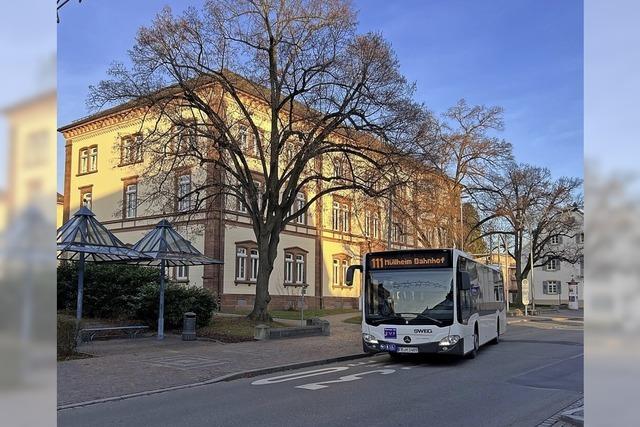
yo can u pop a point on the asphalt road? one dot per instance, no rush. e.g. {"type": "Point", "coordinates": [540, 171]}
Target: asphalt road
{"type": "Point", "coordinates": [534, 372]}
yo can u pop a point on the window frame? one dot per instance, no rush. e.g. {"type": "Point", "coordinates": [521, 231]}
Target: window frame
{"type": "Point", "coordinates": [85, 155]}
{"type": "Point", "coordinates": [295, 258]}
{"type": "Point", "coordinates": [340, 263]}
{"type": "Point", "coordinates": [127, 202]}
{"type": "Point", "coordinates": [183, 201]}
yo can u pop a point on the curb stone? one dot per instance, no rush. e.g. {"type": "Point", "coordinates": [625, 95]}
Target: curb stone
{"type": "Point", "coordinates": [560, 416]}
{"type": "Point", "coordinates": [223, 378]}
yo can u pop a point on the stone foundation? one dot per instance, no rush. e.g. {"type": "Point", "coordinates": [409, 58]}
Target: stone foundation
{"type": "Point", "coordinates": [286, 302]}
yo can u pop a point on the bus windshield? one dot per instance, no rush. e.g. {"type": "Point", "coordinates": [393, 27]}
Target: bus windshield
{"type": "Point", "coordinates": [411, 296]}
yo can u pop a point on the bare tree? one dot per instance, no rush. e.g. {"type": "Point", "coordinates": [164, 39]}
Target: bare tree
{"type": "Point", "coordinates": [310, 104]}
{"type": "Point", "coordinates": [530, 207]}
{"type": "Point", "coordinates": [459, 145]}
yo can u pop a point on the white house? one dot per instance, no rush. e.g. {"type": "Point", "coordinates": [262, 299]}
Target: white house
{"type": "Point", "coordinates": [549, 285]}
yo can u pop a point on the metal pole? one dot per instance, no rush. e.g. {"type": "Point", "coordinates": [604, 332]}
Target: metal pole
{"type": "Point", "coordinates": [461, 226]}
{"type": "Point", "coordinates": [161, 310]}
{"type": "Point", "coordinates": [302, 306]}
{"type": "Point", "coordinates": [389, 220]}
{"type": "Point", "coordinates": [531, 287]}
{"type": "Point", "coordinates": [80, 287]}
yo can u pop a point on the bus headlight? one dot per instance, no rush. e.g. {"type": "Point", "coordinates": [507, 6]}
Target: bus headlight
{"type": "Point", "coordinates": [449, 340]}
{"type": "Point", "coordinates": [369, 339]}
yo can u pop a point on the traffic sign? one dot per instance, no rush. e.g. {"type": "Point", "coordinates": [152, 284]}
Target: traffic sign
{"type": "Point", "coordinates": [525, 291]}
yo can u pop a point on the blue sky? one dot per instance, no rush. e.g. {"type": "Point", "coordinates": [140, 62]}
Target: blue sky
{"type": "Point", "coordinates": [525, 55]}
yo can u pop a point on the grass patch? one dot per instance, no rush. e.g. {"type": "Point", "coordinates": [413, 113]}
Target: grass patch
{"type": "Point", "coordinates": [308, 314]}
{"type": "Point", "coordinates": [232, 329]}
{"type": "Point", "coordinates": [356, 320]}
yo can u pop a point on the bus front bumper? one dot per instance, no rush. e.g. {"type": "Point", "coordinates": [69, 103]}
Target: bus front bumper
{"type": "Point", "coordinates": [425, 348]}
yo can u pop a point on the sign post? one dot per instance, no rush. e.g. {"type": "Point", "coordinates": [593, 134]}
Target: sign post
{"type": "Point", "coordinates": [525, 295]}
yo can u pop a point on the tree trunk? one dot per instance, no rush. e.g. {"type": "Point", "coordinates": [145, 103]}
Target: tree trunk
{"type": "Point", "coordinates": [518, 301]}
{"type": "Point", "coordinates": [267, 252]}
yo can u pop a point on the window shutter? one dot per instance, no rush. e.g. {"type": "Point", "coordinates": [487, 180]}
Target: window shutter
{"type": "Point", "coordinates": [559, 239]}
{"type": "Point", "coordinates": [559, 284]}
{"type": "Point", "coordinates": [545, 288]}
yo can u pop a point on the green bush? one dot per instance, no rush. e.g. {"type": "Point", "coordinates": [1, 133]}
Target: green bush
{"type": "Point", "coordinates": [111, 291]}
{"type": "Point", "coordinates": [178, 299]}
{"type": "Point", "coordinates": [67, 334]}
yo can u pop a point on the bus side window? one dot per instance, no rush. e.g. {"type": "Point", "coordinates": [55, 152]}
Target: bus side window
{"type": "Point", "coordinates": [465, 300]}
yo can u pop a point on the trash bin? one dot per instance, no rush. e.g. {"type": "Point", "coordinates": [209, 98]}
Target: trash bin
{"type": "Point", "coordinates": [189, 327]}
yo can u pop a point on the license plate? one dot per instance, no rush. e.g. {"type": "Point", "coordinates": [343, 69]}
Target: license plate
{"type": "Point", "coordinates": [407, 349]}
{"type": "Point", "coordinates": [388, 347]}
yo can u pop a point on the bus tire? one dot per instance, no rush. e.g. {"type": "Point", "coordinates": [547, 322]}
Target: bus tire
{"type": "Point", "coordinates": [476, 344]}
{"type": "Point", "coordinates": [496, 340]}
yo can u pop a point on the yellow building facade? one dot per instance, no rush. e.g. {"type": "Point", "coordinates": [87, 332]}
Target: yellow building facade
{"type": "Point", "coordinates": [104, 171]}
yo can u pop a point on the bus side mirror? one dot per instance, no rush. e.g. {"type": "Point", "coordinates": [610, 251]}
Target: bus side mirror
{"type": "Point", "coordinates": [350, 272]}
{"type": "Point", "coordinates": [465, 281]}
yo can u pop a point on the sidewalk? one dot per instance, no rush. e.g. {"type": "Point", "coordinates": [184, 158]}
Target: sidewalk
{"type": "Point", "coordinates": [131, 366]}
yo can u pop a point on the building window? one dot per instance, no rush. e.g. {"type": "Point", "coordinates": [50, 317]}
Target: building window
{"type": "Point", "coordinates": [295, 266]}
{"type": "Point", "coordinates": [336, 272]}
{"type": "Point", "coordinates": [299, 204]}
{"type": "Point", "coordinates": [243, 139]}
{"type": "Point", "coordinates": [345, 267]}
{"type": "Point", "coordinates": [87, 200]}
{"type": "Point", "coordinates": [375, 225]}
{"type": "Point", "coordinates": [338, 168]}
{"type": "Point", "coordinates": [241, 264]}
{"type": "Point", "coordinates": [580, 238]}
{"type": "Point", "coordinates": [553, 265]}
{"type": "Point", "coordinates": [131, 201]}
{"type": "Point", "coordinates": [89, 159]}
{"type": "Point", "coordinates": [247, 262]}
{"type": "Point", "coordinates": [555, 240]}
{"type": "Point", "coordinates": [300, 269]}
{"type": "Point", "coordinates": [181, 273]}
{"type": "Point", "coordinates": [398, 234]}
{"type": "Point", "coordinates": [551, 287]}
{"type": "Point", "coordinates": [255, 263]}
{"type": "Point", "coordinates": [184, 190]}
{"type": "Point", "coordinates": [93, 159]}
{"type": "Point", "coordinates": [288, 268]}
{"type": "Point", "coordinates": [367, 224]}
{"type": "Point", "coordinates": [341, 217]}
{"type": "Point", "coordinates": [131, 149]}
{"type": "Point", "coordinates": [340, 266]}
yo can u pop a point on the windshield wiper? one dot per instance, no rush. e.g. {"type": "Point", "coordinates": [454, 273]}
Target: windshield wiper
{"type": "Point", "coordinates": [384, 319]}
{"type": "Point", "coordinates": [424, 316]}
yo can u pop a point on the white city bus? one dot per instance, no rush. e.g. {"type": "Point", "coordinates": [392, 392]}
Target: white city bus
{"type": "Point", "coordinates": [429, 301]}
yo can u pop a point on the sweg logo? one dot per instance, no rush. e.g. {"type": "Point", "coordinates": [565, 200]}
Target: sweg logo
{"type": "Point", "coordinates": [422, 331]}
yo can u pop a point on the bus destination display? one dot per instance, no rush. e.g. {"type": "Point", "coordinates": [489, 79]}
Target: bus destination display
{"type": "Point", "coordinates": [410, 260]}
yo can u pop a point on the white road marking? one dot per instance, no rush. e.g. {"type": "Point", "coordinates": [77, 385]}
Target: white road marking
{"type": "Point", "coordinates": [346, 378]}
{"type": "Point", "coordinates": [298, 375]}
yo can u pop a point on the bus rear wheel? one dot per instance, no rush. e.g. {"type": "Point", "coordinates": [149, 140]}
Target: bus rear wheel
{"type": "Point", "coordinates": [476, 344]}
{"type": "Point", "coordinates": [496, 340]}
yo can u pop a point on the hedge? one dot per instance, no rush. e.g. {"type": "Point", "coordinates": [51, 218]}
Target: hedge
{"type": "Point", "coordinates": [178, 299]}
{"type": "Point", "coordinates": [111, 291]}
{"type": "Point", "coordinates": [67, 334]}
{"type": "Point", "coordinates": [130, 292]}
